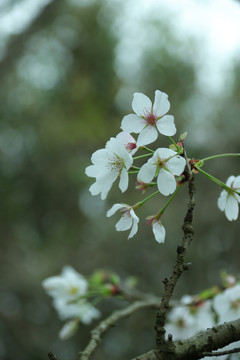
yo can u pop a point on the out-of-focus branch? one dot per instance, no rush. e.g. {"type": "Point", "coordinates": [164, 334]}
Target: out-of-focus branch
{"type": "Point", "coordinates": [97, 333]}
{"type": "Point", "coordinates": [162, 344]}
{"type": "Point", "coordinates": [51, 356]}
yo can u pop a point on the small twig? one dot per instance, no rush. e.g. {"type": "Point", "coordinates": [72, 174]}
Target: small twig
{"type": "Point", "coordinates": [219, 353]}
{"type": "Point", "coordinates": [51, 356]}
{"type": "Point", "coordinates": [180, 266]}
{"type": "Point", "coordinates": [97, 333]}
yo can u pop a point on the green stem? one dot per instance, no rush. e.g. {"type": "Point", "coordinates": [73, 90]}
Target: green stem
{"type": "Point", "coordinates": [218, 182]}
{"type": "Point", "coordinates": [133, 172]}
{"type": "Point", "coordinates": [141, 156]}
{"type": "Point", "coordinates": [140, 203]}
{"type": "Point", "coordinates": [219, 155]}
{"type": "Point", "coordinates": [173, 142]}
{"type": "Point", "coordinates": [149, 150]}
{"type": "Point", "coordinates": [135, 168]}
{"type": "Point", "coordinates": [169, 201]}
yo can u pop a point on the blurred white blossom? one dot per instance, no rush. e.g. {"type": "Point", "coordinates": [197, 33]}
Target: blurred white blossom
{"type": "Point", "coordinates": [187, 320]}
{"type": "Point", "coordinates": [227, 304]}
{"type": "Point", "coordinates": [68, 291]}
{"type": "Point", "coordinates": [69, 285]}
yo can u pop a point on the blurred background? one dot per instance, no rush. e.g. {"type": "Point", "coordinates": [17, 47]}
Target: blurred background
{"type": "Point", "coordinates": [68, 71]}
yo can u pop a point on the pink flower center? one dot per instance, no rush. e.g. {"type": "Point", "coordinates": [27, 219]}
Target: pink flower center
{"type": "Point", "coordinates": [130, 146]}
{"type": "Point", "coordinates": [125, 212]}
{"type": "Point", "coordinates": [150, 118]}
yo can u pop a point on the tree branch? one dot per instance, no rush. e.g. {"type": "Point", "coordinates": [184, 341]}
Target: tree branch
{"type": "Point", "coordinates": [220, 353]}
{"type": "Point", "coordinates": [200, 345]}
{"type": "Point", "coordinates": [97, 333]}
{"type": "Point", "coordinates": [169, 284]}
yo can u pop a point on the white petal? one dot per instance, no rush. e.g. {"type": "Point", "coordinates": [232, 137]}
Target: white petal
{"type": "Point", "coordinates": [159, 232]}
{"type": "Point", "coordinates": [100, 188]}
{"type": "Point", "coordinates": [133, 123]}
{"type": "Point", "coordinates": [68, 329]}
{"type": "Point", "coordinates": [123, 183]}
{"type": "Point", "coordinates": [165, 153]}
{"type": "Point", "coordinates": [134, 228]}
{"type": "Point", "coordinates": [230, 180]}
{"type": "Point", "coordinates": [125, 138]}
{"type": "Point", "coordinates": [222, 200]}
{"type": "Point", "coordinates": [69, 274]}
{"type": "Point", "coordinates": [147, 136]}
{"type": "Point", "coordinates": [115, 208]}
{"type": "Point", "coordinates": [176, 165]}
{"type": "Point", "coordinates": [98, 156]}
{"type": "Point", "coordinates": [166, 182]}
{"type": "Point", "coordinates": [127, 158]}
{"type": "Point", "coordinates": [236, 182]}
{"type": "Point", "coordinates": [95, 189]}
{"type": "Point", "coordinates": [141, 104]}
{"type": "Point", "coordinates": [147, 172]}
{"type": "Point", "coordinates": [88, 313]}
{"type": "Point", "coordinates": [92, 171]}
{"type": "Point", "coordinates": [166, 125]}
{"type": "Point", "coordinates": [54, 286]}
{"type": "Point", "coordinates": [133, 215]}
{"type": "Point", "coordinates": [161, 104]}
{"type": "Point", "coordinates": [124, 223]}
{"type": "Point", "coordinates": [231, 209]}
{"type": "Point", "coordinates": [106, 179]}
{"type": "Point", "coordinates": [114, 146]}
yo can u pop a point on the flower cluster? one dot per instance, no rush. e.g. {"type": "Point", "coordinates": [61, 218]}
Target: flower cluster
{"type": "Point", "coordinates": [165, 168]}
{"type": "Point", "coordinates": [68, 291]}
{"type": "Point", "coordinates": [191, 316]}
{"type": "Point", "coordinates": [116, 161]}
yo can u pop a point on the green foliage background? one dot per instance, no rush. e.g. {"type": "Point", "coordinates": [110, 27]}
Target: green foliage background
{"type": "Point", "coordinates": [62, 97]}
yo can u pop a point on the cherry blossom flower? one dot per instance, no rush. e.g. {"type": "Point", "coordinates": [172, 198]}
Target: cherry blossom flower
{"type": "Point", "coordinates": [228, 200]}
{"type": "Point", "coordinates": [149, 119]}
{"type": "Point", "coordinates": [128, 141]}
{"type": "Point", "coordinates": [67, 290]}
{"type": "Point", "coordinates": [80, 309]}
{"type": "Point", "coordinates": [108, 164]}
{"type": "Point", "coordinates": [69, 285]}
{"type": "Point", "coordinates": [129, 219]}
{"type": "Point", "coordinates": [187, 320]}
{"type": "Point", "coordinates": [227, 304]}
{"type": "Point", "coordinates": [164, 164]}
{"type": "Point", "coordinates": [157, 227]}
